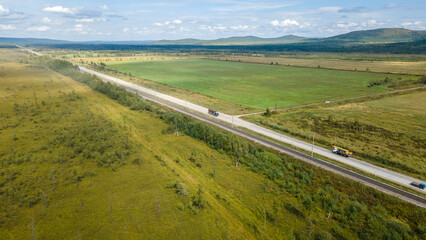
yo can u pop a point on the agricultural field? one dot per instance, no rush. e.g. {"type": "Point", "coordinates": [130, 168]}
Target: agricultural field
{"type": "Point", "coordinates": [77, 164]}
{"type": "Point", "coordinates": [390, 132]}
{"type": "Point", "coordinates": [193, 97]}
{"type": "Point", "coordinates": [256, 85]}
{"type": "Point", "coordinates": [360, 63]}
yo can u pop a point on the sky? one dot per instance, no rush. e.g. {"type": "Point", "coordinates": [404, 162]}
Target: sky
{"type": "Point", "coordinates": [126, 20]}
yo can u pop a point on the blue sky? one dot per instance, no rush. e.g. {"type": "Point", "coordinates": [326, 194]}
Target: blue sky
{"type": "Point", "coordinates": [205, 19]}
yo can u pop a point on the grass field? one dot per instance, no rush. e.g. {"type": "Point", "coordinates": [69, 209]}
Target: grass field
{"type": "Point", "coordinates": [255, 85]}
{"type": "Point", "coordinates": [66, 194]}
{"type": "Point", "coordinates": [389, 131]}
{"type": "Point", "coordinates": [362, 64]}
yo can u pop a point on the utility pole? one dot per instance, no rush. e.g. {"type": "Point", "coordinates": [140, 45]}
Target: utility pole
{"type": "Point", "coordinates": [233, 113]}
{"type": "Point", "coordinates": [335, 200]}
{"type": "Point", "coordinates": [176, 128]}
{"type": "Point", "coordinates": [313, 142]}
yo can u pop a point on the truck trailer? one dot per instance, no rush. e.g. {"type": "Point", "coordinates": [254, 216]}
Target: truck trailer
{"type": "Point", "coordinates": [419, 185]}
{"type": "Point", "coordinates": [213, 112]}
{"type": "Point", "coordinates": [341, 151]}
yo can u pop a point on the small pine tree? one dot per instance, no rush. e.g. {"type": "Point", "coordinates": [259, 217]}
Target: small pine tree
{"type": "Point", "coordinates": [267, 112]}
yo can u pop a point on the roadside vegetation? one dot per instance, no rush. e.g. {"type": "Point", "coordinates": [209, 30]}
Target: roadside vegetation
{"type": "Point", "coordinates": [389, 132]}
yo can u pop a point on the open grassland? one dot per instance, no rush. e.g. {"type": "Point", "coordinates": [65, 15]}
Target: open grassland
{"type": "Point", "coordinates": [12, 55]}
{"type": "Point", "coordinates": [256, 85]}
{"type": "Point", "coordinates": [361, 65]}
{"type": "Point", "coordinates": [390, 132]}
{"type": "Point", "coordinates": [193, 97]}
{"type": "Point", "coordinates": [76, 164]}
{"type": "Point", "coordinates": [348, 56]}
{"type": "Point", "coordinates": [57, 183]}
{"type": "Point", "coordinates": [100, 59]}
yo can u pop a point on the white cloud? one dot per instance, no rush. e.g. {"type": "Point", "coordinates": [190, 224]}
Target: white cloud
{"type": "Point", "coordinates": [214, 28]}
{"type": "Point", "coordinates": [220, 28]}
{"type": "Point", "coordinates": [168, 23]}
{"type": "Point", "coordinates": [240, 27]}
{"type": "Point", "coordinates": [103, 7]}
{"type": "Point", "coordinates": [390, 5]}
{"type": "Point", "coordinates": [372, 22]}
{"type": "Point", "coordinates": [285, 23]}
{"type": "Point", "coordinates": [38, 28]}
{"type": "Point", "coordinates": [234, 6]}
{"type": "Point", "coordinates": [329, 9]}
{"type": "Point", "coordinates": [126, 29]}
{"type": "Point", "coordinates": [182, 29]}
{"type": "Point", "coordinates": [407, 24]}
{"type": "Point", "coordinates": [85, 20]}
{"type": "Point", "coordinates": [46, 20]}
{"type": "Point", "coordinates": [78, 27]}
{"type": "Point", "coordinates": [3, 10]}
{"type": "Point", "coordinates": [81, 29]}
{"type": "Point", "coordinates": [346, 25]}
{"type": "Point", "coordinates": [7, 27]}
{"type": "Point", "coordinates": [307, 25]}
{"type": "Point", "coordinates": [59, 9]}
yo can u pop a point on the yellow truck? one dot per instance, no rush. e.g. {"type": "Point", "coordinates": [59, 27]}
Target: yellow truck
{"type": "Point", "coordinates": [341, 151]}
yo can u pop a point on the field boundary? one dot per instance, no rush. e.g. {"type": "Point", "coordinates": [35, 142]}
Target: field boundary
{"type": "Point", "coordinates": [325, 68]}
{"type": "Point", "coordinates": [366, 97]}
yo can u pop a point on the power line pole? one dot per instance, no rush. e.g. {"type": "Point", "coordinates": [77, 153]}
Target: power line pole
{"type": "Point", "coordinates": [335, 200]}
{"type": "Point", "coordinates": [176, 128]}
{"type": "Point", "coordinates": [313, 143]}
{"type": "Point", "coordinates": [233, 113]}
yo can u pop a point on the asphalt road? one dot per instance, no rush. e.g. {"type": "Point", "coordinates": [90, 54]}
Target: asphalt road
{"type": "Point", "coordinates": [192, 109]}
{"type": "Point", "coordinates": [235, 121]}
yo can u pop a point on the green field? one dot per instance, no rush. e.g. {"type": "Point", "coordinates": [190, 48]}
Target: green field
{"type": "Point", "coordinates": [256, 85]}
{"type": "Point", "coordinates": [390, 131]}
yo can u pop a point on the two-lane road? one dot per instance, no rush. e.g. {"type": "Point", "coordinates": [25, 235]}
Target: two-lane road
{"type": "Point", "coordinates": [235, 121]}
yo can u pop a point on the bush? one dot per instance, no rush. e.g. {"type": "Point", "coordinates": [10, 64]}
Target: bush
{"type": "Point", "coordinates": [322, 236]}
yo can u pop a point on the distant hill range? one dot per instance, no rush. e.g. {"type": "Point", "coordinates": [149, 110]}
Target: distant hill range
{"type": "Point", "coordinates": [42, 41]}
{"type": "Point", "coordinates": [381, 35]}
{"type": "Point", "coordinates": [248, 40]}
{"type": "Point", "coordinates": [383, 40]}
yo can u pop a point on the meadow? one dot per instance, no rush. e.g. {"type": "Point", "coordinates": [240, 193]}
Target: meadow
{"type": "Point", "coordinates": [364, 63]}
{"type": "Point", "coordinates": [256, 85]}
{"type": "Point", "coordinates": [389, 132]}
{"type": "Point", "coordinates": [77, 164]}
